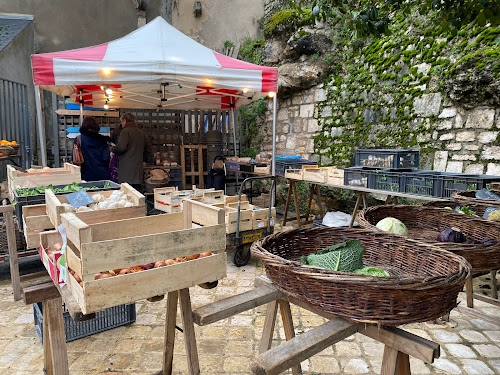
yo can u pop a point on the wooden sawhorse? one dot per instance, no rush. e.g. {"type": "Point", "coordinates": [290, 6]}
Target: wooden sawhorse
{"type": "Point", "coordinates": [292, 189]}
{"type": "Point", "coordinates": [399, 344]}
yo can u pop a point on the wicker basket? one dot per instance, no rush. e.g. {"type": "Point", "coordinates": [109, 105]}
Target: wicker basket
{"type": "Point", "coordinates": [469, 197]}
{"type": "Point", "coordinates": [478, 209]}
{"type": "Point", "coordinates": [425, 224]}
{"type": "Point", "coordinates": [6, 150]}
{"type": "Point", "coordinates": [423, 285]}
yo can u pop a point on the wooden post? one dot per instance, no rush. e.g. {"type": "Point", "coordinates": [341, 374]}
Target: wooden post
{"type": "Point", "coordinates": [309, 201]}
{"type": "Point", "coordinates": [320, 201]}
{"type": "Point", "coordinates": [269, 324]}
{"type": "Point", "coordinates": [47, 355]}
{"type": "Point", "coordinates": [289, 194]}
{"type": "Point", "coordinates": [494, 287]}
{"type": "Point", "coordinates": [296, 202]}
{"type": "Point", "coordinates": [56, 340]}
{"type": "Point", "coordinates": [286, 318]}
{"type": "Point", "coordinates": [189, 335]}
{"type": "Point", "coordinates": [14, 263]}
{"type": "Point", "coordinates": [468, 292]}
{"type": "Point", "coordinates": [168, 347]}
{"type": "Point", "coordinates": [395, 362]}
{"type": "Point", "coordinates": [356, 208]}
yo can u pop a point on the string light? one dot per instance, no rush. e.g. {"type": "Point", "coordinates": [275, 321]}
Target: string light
{"type": "Point", "coordinates": [106, 71]}
{"type": "Point", "coordinates": [271, 94]}
{"type": "Point", "coordinates": [106, 106]}
{"type": "Point", "coordinates": [108, 91]}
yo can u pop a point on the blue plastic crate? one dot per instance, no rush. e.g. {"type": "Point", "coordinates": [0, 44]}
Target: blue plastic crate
{"type": "Point", "coordinates": [387, 158]}
{"type": "Point", "coordinates": [357, 176]}
{"type": "Point", "coordinates": [105, 320]}
{"type": "Point", "coordinates": [452, 182]}
{"type": "Point", "coordinates": [387, 180]}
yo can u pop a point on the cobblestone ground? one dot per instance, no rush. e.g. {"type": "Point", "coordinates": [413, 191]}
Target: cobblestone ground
{"type": "Point", "coordinates": [470, 341]}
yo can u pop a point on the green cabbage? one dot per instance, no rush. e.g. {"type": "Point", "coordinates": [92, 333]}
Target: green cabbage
{"type": "Point", "coordinates": [372, 271]}
{"type": "Point", "coordinates": [346, 257]}
{"type": "Point", "coordinates": [393, 225]}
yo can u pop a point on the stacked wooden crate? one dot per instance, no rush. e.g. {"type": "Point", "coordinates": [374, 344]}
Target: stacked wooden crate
{"type": "Point", "coordinates": [17, 179]}
{"type": "Point", "coordinates": [120, 244]}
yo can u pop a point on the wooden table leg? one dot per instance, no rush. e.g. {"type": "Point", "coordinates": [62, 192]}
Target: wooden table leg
{"type": "Point", "coordinates": [47, 355]}
{"type": "Point", "coordinates": [395, 362]}
{"type": "Point", "coordinates": [170, 321]}
{"type": "Point", "coordinates": [494, 287]}
{"type": "Point", "coordinates": [286, 317]}
{"type": "Point", "coordinates": [320, 201]}
{"type": "Point", "coordinates": [56, 340]}
{"type": "Point", "coordinates": [469, 291]}
{"type": "Point", "coordinates": [189, 335]}
{"type": "Point", "coordinates": [365, 205]}
{"type": "Point", "coordinates": [309, 201]}
{"type": "Point", "coordinates": [14, 263]}
{"type": "Point", "coordinates": [269, 323]}
{"type": "Point", "coordinates": [289, 194]}
{"type": "Point", "coordinates": [296, 202]}
{"type": "Point", "coordinates": [356, 208]}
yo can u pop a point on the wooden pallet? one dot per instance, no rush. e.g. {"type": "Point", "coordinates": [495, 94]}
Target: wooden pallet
{"type": "Point", "coordinates": [194, 168]}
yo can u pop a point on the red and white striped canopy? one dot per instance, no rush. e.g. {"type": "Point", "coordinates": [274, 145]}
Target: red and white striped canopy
{"type": "Point", "coordinates": [155, 66]}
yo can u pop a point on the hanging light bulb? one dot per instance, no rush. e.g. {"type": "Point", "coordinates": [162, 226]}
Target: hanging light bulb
{"type": "Point", "coordinates": [106, 71]}
{"type": "Point", "coordinates": [245, 90]}
{"type": "Point", "coordinates": [108, 91]}
{"type": "Point", "coordinates": [271, 94]}
{"type": "Point", "coordinates": [106, 106]}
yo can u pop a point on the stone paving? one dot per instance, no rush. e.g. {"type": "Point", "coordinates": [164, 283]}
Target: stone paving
{"type": "Point", "coordinates": [470, 342]}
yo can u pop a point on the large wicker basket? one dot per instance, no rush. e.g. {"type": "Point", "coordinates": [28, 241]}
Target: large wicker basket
{"type": "Point", "coordinates": [477, 208]}
{"type": "Point", "coordinates": [425, 223]}
{"type": "Point", "coordinates": [423, 285]}
{"type": "Point", "coordinates": [469, 197]}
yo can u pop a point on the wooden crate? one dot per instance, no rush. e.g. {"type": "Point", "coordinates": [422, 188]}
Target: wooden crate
{"type": "Point", "coordinates": [315, 174]}
{"type": "Point", "coordinates": [294, 174]}
{"type": "Point", "coordinates": [234, 198]}
{"type": "Point", "coordinates": [94, 248]}
{"type": "Point", "coordinates": [246, 217]}
{"type": "Point", "coordinates": [335, 176]}
{"type": "Point", "coordinates": [16, 179]}
{"type": "Point", "coordinates": [262, 170]}
{"type": "Point", "coordinates": [215, 196]}
{"type": "Point", "coordinates": [163, 201]}
{"type": "Point", "coordinates": [261, 217]}
{"type": "Point", "coordinates": [54, 203]}
{"type": "Point", "coordinates": [35, 221]}
{"type": "Point", "coordinates": [46, 239]}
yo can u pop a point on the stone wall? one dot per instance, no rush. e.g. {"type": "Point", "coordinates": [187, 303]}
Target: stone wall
{"type": "Point", "coordinates": [468, 137]}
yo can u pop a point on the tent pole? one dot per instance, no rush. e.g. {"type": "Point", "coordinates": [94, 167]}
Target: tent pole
{"type": "Point", "coordinates": [81, 113]}
{"type": "Point", "coordinates": [273, 162]}
{"type": "Point", "coordinates": [41, 127]}
{"type": "Point", "coordinates": [234, 132]}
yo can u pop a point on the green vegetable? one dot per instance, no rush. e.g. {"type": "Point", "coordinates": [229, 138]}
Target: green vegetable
{"type": "Point", "coordinates": [372, 271]}
{"type": "Point", "coordinates": [494, 216]}
{"type": "Point", "coordinates": [393, 225]}
{"type": "Point", "coordinates": [465, 210]}
{"type": "Point", "coordinates": [66, 189]}
{"type": "Point", "coordinates": [346, 257]}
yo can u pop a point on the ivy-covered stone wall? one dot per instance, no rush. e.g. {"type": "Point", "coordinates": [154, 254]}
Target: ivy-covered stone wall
{"type": "Point", "coordinates": [418, 88]}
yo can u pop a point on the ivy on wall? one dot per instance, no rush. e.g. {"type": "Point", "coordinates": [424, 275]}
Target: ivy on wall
{"type": "Point", "coordinates": [371, 94]}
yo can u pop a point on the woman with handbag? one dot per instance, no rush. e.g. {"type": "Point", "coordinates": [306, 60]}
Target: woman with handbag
{"type": "Point", "coordinates": [91, 151]}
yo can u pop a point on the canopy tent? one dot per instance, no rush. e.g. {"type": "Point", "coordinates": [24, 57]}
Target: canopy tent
{"type": "Point", "coordinates": [155, 66]}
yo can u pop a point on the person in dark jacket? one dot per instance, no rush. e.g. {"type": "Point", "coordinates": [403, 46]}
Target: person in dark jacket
{"type": "Point", "coordinates": [133, 149]}
{"type": "Point", "coordinates": [95, 150]}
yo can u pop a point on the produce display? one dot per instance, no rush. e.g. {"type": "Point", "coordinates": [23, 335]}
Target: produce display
{"type": "Point", "coordinates": [117, 199]}
{"type": "Point", "coordinates": [344, 257]}
{"type": "Point", "coordinates": [71, 188]}
{"type": "Point", "coordinates": [142, 267]}
{"type": "Point", "coordinates": [4, 142]}
{"type": "Point", "coordinates": [454, 235]}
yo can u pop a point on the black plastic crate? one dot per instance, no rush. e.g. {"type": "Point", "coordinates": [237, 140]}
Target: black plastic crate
{"type": "Point", "coordinates": [422, 182]}
{"type": "Point", "coordinates": [450, 183]}
{"type": "Point", "coordinates": [387, 158]}
{"type": "Point", "coordinates": [30, 200]}
{"type": "Point", "coordinates": [105, 320]}
{"type": "Point", "coordinates": [387, 180]}
{"type": "Point", "coordinates": [284, 164]}
{"type": "Point", "coordinates": [357, 176]}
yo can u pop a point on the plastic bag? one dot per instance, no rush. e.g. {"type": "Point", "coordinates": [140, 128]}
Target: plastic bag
{"type": "Point", "coordinates": [338, 219]}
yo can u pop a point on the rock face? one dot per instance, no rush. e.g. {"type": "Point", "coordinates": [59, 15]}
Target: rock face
{"type": "Point", "coordinates": [295, 77]}
{"type": "Point", "coordinates": [471, 89]}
